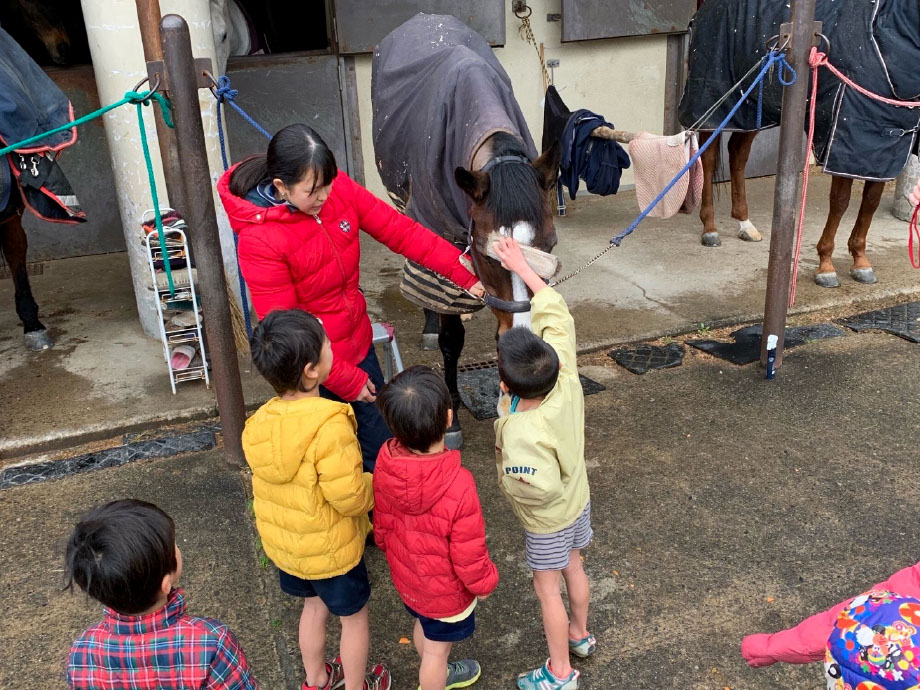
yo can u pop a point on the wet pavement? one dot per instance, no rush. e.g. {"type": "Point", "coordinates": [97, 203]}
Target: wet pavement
{"type": "Point", "coordinates": [722, 504]}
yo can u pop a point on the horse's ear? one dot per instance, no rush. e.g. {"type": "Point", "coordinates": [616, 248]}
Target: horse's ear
{"type": "Point", "coordinates": [474, 183]}
{"type": "Point", "coordinates": [548, 164]}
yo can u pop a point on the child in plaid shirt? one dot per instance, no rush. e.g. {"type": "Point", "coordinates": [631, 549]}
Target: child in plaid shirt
{"type": "Point", "coordinates": [124, 555]}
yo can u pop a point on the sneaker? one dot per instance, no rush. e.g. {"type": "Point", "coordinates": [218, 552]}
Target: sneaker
{"type": "Point", "coordinates": [461, 674]}
{"type": "Point", "coordinates": [583, 648]}
{"type": "Point", "coordinates": [378, 678]}
{"type": "Point", "coordinates": [335, 676]}
{"type": "Point", "coordinates": [543, 679]}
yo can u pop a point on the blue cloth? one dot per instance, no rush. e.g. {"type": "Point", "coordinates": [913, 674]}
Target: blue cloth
{"type": "Point", "coordinates": [343, 595]}
{"type": "Point", "coordinates": [373, 431]}
{"type": "Point", "coordinates": [30, 103]}
{"type": "Point", "coordinates": [6, 184]}
{"type": "Point", "coordinates": [599, 162]}
{"type": "Point", "coordinates": [439, 631]}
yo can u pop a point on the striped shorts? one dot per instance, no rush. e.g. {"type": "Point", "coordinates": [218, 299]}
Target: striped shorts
{"type": "Point", "coordinates": [551, 551]}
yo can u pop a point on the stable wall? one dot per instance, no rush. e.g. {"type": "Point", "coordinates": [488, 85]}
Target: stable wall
{"type": "Point", "coordinates": [622, 79]}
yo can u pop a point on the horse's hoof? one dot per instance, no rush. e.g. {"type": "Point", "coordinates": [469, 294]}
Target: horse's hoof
{"type": "Point", "coordinates": [36, 341]}
{"type": "Point", "coordinates": [866, 276]}
{"type": "Point", "coordinates": [828, 280]}
{"type": "Point", "coordinates": [750, 234]}
{"type": "Point", "coordinates": [429, 342]}
{"type": "Point", "coordinates": [453, 440]}
{"type": "Point", "coordinates": [711, 239]}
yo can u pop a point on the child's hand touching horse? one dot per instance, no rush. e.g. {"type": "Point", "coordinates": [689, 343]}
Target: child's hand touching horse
{"type": "Point", "coordinates": [915, 195]}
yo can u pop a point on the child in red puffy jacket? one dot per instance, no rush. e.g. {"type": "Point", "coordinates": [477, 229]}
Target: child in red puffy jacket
{"type": "Point", "coordinates": [428, 522]}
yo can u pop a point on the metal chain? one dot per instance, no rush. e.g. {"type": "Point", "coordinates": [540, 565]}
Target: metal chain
{"type": "Point", "coordinates": [526, 33]}
{"type": "Point", "coordinates": [579, 270]}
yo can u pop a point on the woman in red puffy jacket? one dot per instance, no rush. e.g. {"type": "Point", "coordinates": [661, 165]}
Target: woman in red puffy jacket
{"type": "Point", "coordinates": [298, 218]}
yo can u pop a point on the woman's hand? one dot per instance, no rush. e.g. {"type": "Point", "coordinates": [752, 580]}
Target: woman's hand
{"type": "Point", "coordinates": [368, 393]}
{"type": "Point", "coordinates": [478, 290]}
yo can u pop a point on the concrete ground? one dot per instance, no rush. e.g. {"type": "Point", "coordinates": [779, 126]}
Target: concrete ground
{"type": "Point", "coordinates": [105, 375]}
{"type": "Point", "coordinates": [723, 504]}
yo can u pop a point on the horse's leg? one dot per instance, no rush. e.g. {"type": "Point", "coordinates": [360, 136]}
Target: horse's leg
{"type": "Point", "coordinates": [710, 157]}
{"type": "Point", "coordinates": [14, 246]}
{"type": "Point", "coordinates": [841, 187]}
{"type": "Point", "coordinates": [430, 331]}
{"type": "Point", "coordinates": [739, 148]}
{"type": "Point", "coordinates": [450, 339]}
{"type": "Point", "coordinates": [862, 270]}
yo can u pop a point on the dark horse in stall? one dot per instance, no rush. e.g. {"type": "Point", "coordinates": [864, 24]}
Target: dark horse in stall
{"type": "Point", "coordinates": [13, 248]}
{"type": "Point", "coordinates": [876, 44]}
{"type": "Point", "coordinates": [454, 152]}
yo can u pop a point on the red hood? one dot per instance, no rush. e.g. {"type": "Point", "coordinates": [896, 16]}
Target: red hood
{"type": "Point", "coordinates": [414, 482]}
{"type": "Point", "coordinates": [244, 213]}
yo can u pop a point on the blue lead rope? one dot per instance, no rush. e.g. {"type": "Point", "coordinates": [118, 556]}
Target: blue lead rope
{"type": "Point", "coordinates": [224, 93]}
{"type": "Point", "coordinates": [769, 60]}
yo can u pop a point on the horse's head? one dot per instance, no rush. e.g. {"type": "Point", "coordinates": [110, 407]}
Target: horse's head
{"type": "Point", "coordinates": [513, 196]}
{"type": "Point", "coordinates": [45, 24]}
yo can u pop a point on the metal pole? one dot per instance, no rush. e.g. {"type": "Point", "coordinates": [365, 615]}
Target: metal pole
{"type": "Point", "coordinates": [791, 162]}
{"type": "Point", "coordinates": [183, 81]}
{"type": "Point", "coordinates": [148, 17]}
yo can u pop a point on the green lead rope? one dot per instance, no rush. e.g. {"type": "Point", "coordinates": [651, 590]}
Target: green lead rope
{"type": "Point", "coordinates": [138, 98]}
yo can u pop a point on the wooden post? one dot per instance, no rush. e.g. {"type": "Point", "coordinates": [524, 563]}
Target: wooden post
{"type": "Point", "coordinates": [790, 166]}
{"type": "Point", "coordinates": [148, 17]}
{"type": "Point", "coordinates": [204, 235]}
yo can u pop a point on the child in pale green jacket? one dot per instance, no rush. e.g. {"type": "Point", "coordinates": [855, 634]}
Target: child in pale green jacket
{"type": "Point", "coordinates": [540, 453]}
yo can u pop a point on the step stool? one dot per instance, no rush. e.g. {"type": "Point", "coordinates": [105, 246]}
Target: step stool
{"type": "Point", "coordinates": [385, 334]}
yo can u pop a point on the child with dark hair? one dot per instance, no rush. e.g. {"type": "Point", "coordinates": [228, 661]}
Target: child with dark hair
{"type": "Point", "coordinates": [540, 454]}
{"type": "Point", "coordinates": [311, 498]}
{"type": "Point", "coordinates": [124, 555]}
{"type": "Point", "coordinates": [428, 522]}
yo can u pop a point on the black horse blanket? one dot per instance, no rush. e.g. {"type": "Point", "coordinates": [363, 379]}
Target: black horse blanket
{"type": "Point", "coordinates": [438, 93]}
{"type": "Point", "coordinates": [875, 43]}
{"type": "Point", "coordinates": [30, 103]}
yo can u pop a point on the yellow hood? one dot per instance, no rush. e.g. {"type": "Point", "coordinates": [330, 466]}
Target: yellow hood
{"type": "Point", "coordinates": [277, 436]}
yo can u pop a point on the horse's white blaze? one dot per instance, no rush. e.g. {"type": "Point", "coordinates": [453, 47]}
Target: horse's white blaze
{"type": "Point", "coordinates": [524, 233]}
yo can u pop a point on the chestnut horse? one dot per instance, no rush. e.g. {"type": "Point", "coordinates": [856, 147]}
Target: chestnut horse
{"type": "Point", "coordinates": [739, 148]}
{"type": "Point", "coordinates": [13, 248]}
{"type": "Point", "coordinates": [874, 44]}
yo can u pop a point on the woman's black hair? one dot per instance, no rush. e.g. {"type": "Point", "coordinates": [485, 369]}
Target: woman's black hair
{"type": "Point", "coordinates": [292, 153]}
{"type": "Point", "coordinates": [119, 553]}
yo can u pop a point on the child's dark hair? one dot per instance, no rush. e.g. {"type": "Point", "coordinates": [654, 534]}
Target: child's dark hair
{"type": "Point", "coordinates": [292, 153]}
{"type": "Point", "coordinates": [527, 365]}
{"type": "Point", "coordinates": [283, 344]}
{"type": "Point", "coordinates": [119, 553]}
{"type": "Point", "coordinates": [415, 404]}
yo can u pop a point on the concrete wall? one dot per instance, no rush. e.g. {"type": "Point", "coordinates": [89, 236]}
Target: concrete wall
{"type": "Point", "coordinates": [622, 79]}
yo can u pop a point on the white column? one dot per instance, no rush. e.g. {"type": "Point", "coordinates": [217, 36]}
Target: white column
{"type": "Point", "coordinates": [118, 63]}
{"type": "Point", "coordinates": [905, 184]}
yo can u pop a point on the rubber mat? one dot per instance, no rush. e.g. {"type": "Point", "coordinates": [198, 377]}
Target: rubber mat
{"type": "Point", "coordinates": [198, 440]}
{"type": "Point", "coordinates": [479, 390]}
{"type": "Point", "coordinates": [901, 319]}
{"type": "Point", "coordinates": [746, 346]}
{"type": "Point", "coordinates": [643, 358]}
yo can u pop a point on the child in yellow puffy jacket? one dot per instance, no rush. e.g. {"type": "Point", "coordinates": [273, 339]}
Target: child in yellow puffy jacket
{"type": "Point", "coordinates": [312, 498]}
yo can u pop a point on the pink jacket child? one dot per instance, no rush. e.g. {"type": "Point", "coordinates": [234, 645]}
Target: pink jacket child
{"type": "Point", "coordinates": [807, 641]}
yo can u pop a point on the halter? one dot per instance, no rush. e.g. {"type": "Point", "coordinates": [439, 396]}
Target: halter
{"type": "Point", "coordinates": [491, 301]}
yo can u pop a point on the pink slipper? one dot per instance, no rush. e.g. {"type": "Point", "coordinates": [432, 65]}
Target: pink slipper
{"type": "Point", "coordinates": [181, 357]}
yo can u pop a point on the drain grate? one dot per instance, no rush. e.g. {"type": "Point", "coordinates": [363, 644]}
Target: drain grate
{"type": "Point", "coordinates": [479, 390]}
{"type": "Point", "coordinates": [34, 269]}
{"type": "Point", "coordinates": [746, 348]}
{"type": "Point", "coordinates": [643, 358]}
{"type": "Point", "coordinates": [476, 366]}
{"type": "Point", "coordinates": [901, 319]}
{"type": "Point", "coordinates": [201, 439]}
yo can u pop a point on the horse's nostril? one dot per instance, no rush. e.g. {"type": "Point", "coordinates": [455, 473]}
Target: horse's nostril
{"type": "Point", "coordinates": [223, 37]}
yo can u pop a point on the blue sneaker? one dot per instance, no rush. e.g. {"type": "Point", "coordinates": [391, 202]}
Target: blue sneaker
{"type": "Point", "coordinates": [583, 648]}
{"type": "Point", "coordinates": [543, 679]}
